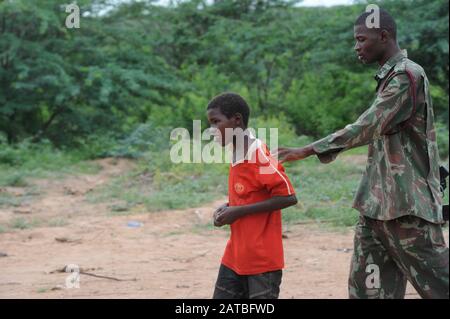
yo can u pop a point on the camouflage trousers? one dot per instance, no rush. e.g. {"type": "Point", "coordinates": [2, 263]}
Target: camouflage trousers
{"type": "Point", "coordinates": [388, 253]}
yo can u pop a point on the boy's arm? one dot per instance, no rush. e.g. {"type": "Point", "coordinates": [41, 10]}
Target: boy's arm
{"type": "Point", "coordinates": [226, 215]}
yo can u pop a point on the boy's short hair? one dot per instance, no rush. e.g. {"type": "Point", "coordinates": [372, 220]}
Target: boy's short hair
{"type": "Point", "coordinates": [387, 22]}
{"type": "Point", "coordinates": [230, 104]}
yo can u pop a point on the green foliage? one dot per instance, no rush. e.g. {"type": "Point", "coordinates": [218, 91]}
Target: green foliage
{"type": "Point", "coordinates": [443, 140]}
{"type": "Point", "coordinates": [321, 103]}
{"type": "Point", "coordinates": [9, 200]}
{"type": "Point", "coordinates": [142, 63]}
{"type": "Point", "coordinates": [158, 184]}
{"type": "Point", "coordinates": [16, 180]}
{"type": "Point", "coordinates": [145, 138]}
{"type": "Point", "coordinates": [285, 132]}
{"type": "Point", "coordinates": [22, 223]}
{"type": "Point", "coordinates": [64, 84]}
{"type": "Point", "coordinates": [57, 222]}
{"type": "Point", "coordinates": [25, 160]}
{"type": "Point", "coordinates": [440, 104]}
{"type": "Point", "coordinates": [325, 192]}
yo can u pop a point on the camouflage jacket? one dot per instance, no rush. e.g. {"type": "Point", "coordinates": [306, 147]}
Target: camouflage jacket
{"type": "Point", "coordinates": [402, 172]}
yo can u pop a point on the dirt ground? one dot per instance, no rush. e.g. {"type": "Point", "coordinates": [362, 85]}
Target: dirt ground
{"type": "Point", "coordinates": [171, 254]}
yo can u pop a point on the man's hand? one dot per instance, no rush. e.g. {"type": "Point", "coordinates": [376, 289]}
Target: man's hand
{"type": "Point", "coordinates": [226, 215]}
{"type": "Point", "coordinates": [293, 154]}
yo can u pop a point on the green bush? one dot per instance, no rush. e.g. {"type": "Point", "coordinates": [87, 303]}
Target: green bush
{"type": "Point", "coordinates": [95, 146]}
{"type": "Point", "coordinates": [20, 223]}
{"type": "Point", "coordinates": [328, 99]}
{"type": "Point", "coordinates": [442, 140]}
{"type": "Point", "coordinates": [16, 179]}
{"type": "Point", "coordinates": [145, 138]}
{"type": "Point", "coordinates": [20, 161]}
{"type": "Point", "coordinates": [286, 132]}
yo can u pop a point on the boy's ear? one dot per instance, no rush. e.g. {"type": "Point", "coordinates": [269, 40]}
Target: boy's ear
{"type": "Point", "coordinates": [238, 119]}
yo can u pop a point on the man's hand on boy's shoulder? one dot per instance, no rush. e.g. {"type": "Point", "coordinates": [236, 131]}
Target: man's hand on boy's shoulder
{"type": "Point", "coordinates": [225, 215]}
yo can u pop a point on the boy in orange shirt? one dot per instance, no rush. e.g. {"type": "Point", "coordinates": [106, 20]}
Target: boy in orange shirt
{"type": "Point", "coordinates": [258, 189]}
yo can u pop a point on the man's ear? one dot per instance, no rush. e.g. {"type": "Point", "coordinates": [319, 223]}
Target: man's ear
{"type": "Point", "coordinates": [384, 36]}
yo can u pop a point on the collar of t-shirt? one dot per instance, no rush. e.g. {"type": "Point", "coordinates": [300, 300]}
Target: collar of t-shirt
{"type": "Point", "coordinates": [255, 144]}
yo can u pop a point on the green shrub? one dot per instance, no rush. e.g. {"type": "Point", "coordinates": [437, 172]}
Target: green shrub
{"type": "Point", "coordinates": [145, 138]}
{"type": "Point", "coordinates": [442, 140]}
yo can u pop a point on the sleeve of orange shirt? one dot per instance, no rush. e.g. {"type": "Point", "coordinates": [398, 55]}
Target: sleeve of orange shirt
{"type": "Point", "coordinates": [270, 173]}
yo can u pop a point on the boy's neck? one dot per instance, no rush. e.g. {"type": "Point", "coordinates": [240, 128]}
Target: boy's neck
{"type": "Point", "coordinates": [240, 149]}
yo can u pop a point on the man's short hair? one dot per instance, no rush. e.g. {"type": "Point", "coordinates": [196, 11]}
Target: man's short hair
{"type": "Point", "coordinates": [387, 22]}
{"type": "Point", "coordinates": [229, 104]}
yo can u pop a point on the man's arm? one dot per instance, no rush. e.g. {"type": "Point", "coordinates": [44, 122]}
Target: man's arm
{"type": "Point", "coordinates": [391, 107]}
{"type": "Point", "coordinates": [226, 215]}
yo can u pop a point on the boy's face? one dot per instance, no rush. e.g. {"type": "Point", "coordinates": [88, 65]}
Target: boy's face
{"type": "Point", "coordinates": [369, 44]}
{"type": "Point", "coordinates": [219, 122]}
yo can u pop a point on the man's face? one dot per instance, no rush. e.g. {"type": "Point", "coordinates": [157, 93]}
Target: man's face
{"type": "Point", "coordinates": [219, 122]}
{"type": "Point", "coordinates": [369, 44]}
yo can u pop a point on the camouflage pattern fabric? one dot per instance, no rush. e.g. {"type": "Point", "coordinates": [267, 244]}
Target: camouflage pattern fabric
{"type": "Point", "coordinates": [402, 173]}
{"type": "Point", "coordinates": [388, 253]}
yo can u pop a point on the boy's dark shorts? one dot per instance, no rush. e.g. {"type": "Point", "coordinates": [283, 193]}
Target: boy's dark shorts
{"type": "Point", "coordinates": [231, 285]}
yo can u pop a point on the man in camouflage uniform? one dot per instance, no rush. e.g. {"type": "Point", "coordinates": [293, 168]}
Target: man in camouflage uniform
{"type": "Point", "coordinates": [399, 234]}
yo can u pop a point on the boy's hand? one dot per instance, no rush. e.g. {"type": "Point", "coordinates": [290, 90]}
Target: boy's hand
{"type": "Point", "coordinates": [226, 215]}
{"type": "Point", "coordinates": [285, 154]}
{"type": "Point", "coordinates": [217, 212]}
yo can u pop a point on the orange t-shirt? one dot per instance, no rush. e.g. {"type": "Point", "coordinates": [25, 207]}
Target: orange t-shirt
{"type": "Point", "coordinates": [255, 245]}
